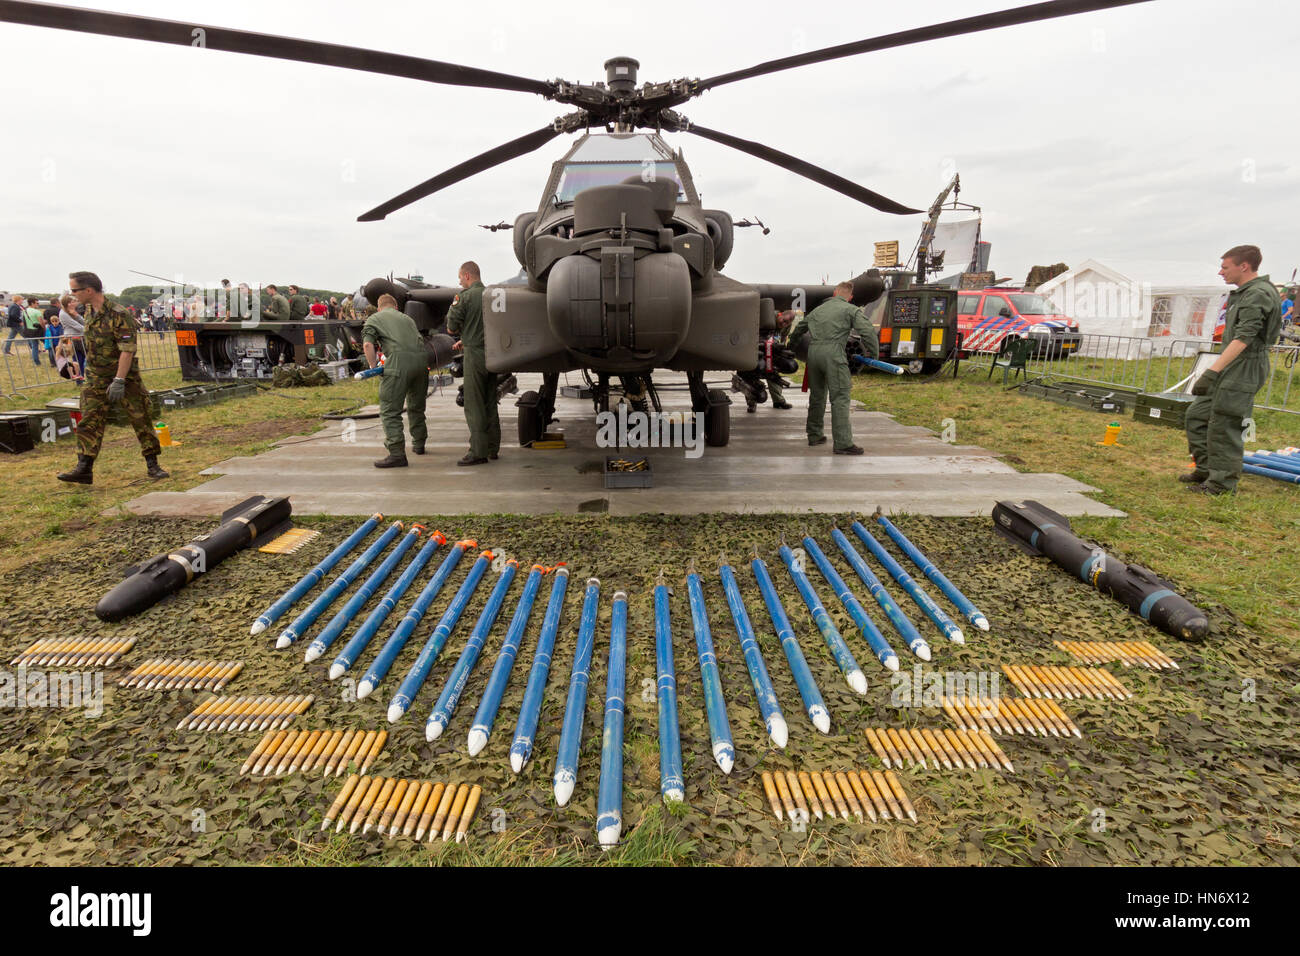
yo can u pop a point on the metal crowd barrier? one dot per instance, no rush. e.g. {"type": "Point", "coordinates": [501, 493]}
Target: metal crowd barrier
{"type": "Point", "coordinates": [18, 372]}
{"type": "Point", "coordinates": [1152, 365]}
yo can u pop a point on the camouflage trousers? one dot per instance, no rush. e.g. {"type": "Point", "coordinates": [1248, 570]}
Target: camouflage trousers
{"type": "Point", "coordinates": [95, 408]}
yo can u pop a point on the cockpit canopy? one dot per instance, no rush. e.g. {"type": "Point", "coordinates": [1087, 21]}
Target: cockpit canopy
{"type": "Point", "coordinates": [611, 159]}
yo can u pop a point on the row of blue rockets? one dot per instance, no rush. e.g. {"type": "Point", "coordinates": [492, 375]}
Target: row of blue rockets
{"type": "Point", "coordinates": [1280, 465]}
{"type": "Point", "coordinates": [609, 803]}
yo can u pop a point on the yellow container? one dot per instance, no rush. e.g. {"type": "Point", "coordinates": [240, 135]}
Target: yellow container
{"type": "Point", "coordinates": [164, 434]}
{"type": "Point", "coordinates": [1112, 435]}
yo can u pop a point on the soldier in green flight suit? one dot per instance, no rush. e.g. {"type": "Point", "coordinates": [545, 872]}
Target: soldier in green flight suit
{"type": "Point", "coordinates": [405, 380]}
{"type": "Point", "coordinates": [465, 319]}
{"type": "Point", "coordinates": [829, 326]}
{"type": "Point", "coordinates": [278, 310]}
{"type": "Point", "coordinates": [298, 305]}
{"type": "Point", "coordinates": [1225, 393]}
{"type": "Point", "coordinates": [112, 376]}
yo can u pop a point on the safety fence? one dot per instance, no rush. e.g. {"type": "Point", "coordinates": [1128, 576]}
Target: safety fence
{"type": "Point", "coordinates": [31, 363]}
{"type": "Point", "coordinates": [1148, 365]}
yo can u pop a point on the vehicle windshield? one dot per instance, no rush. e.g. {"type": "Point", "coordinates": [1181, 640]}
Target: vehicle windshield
{"type": "Point", "coordinates": [580, 176]}
{"type": "Point", "coordinates": [1032, 305]}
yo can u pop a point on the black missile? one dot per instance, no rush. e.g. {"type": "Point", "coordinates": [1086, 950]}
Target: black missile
{"type": "Point", "coordinates": [149, 582]}
{"type": "Point", "coordinates": [1040, 531]}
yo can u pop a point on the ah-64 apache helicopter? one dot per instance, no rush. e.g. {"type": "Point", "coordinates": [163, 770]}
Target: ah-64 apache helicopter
{"type": "Point", "coordinates": [623, 264]}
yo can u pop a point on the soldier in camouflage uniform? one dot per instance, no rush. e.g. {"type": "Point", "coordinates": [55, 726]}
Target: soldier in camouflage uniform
{"type": "Point", "coordinates": [112, 376]}
{"type": "Point", "coordinates": [465, 319]}
{"type": "Point", "coordinates": [1225, 392]}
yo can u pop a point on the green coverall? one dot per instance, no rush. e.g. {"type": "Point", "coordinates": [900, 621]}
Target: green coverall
{"type": "Point", "coordinates": [278, 310]}
{"type": "Point", "coordinates": [406, 376]}
{"type": "Point", "coordinates": [829, 326]}
{"type": "Point", "coordinates": [465, 319]}
{"type": "Point", "coordinates": [1216, 422]}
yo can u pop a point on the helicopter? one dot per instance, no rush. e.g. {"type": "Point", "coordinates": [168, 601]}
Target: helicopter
{"type": "Point", "coordinates": [623, 266]}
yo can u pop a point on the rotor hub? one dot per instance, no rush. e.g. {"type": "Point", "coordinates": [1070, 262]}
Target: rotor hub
{"type": "Point", "coordinates": [620, 75]}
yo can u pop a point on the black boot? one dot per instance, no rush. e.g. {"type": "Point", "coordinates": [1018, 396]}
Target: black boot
{"type": "Point", "coordinates": [393, 461]}
{"type": "Point", "coordinates": [83, 474]}
{"type": "Point", "coordinates": [154, 469]}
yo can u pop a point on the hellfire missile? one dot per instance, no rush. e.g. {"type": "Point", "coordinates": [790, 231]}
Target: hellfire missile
{"type": "Point", "coordinates": [150, 581]}
{"type": "Point", "coordinates": [1040, 531]}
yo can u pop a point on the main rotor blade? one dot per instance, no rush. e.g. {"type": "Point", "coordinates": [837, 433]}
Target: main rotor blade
{"type": "Point", "coordinates": [808, 170]}
{"type": "Point", "coordinates": [261, 44]}
{"type": "Point", "coordinates": [493, 157]}
{"type": "Point", "coordinates": [975, 24]}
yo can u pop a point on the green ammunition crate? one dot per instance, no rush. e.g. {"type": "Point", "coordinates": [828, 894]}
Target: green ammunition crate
{"type": "Point", "coordinates": [195, 396]}
{"type": "Point", "coordinates": [15, 434]}
{"type": "Point", "coordinates": [1096, 398]}
{"type": "Point", "coordinates": [1162, 408]}
{"type": "Point", "coordinates": [46, 424]}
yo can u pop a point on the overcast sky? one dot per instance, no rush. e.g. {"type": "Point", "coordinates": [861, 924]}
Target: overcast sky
{"type": "Point", "coordinates": [1149, 137]}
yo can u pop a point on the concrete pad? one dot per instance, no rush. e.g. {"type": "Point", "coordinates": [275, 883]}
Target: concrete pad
{"type": "Point", "coordinates": [766, 467]}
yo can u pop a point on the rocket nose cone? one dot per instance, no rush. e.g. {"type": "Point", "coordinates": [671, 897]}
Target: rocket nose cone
{"type": "Point", "coordinates": [779, 732]}
{"type": "Point", "coordinates": [822, 721]}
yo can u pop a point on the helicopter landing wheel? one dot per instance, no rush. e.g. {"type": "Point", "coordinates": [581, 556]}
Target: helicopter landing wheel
{"type": "Point", "coordinates": [531, 426]}
{"type": "Point", "coordinates": [717, 419]}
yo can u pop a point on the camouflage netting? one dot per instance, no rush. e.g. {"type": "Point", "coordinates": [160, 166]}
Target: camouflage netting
{"type": "Point", "coordinates": [1200, 767]}
{"type": "Point", "coordinates": [299, 376]}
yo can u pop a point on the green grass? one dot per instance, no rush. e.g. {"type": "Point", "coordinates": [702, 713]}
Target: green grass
{"type": "Point", "coordinates": [46, 515]}
{"type": "Point", "coordinates": [1189, 771]}
{"type": "Point", "coordinates": [1238, 550]}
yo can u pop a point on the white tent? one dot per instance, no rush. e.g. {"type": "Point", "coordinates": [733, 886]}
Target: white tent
{"type": "Point", "coordinates": [1105, 301]}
